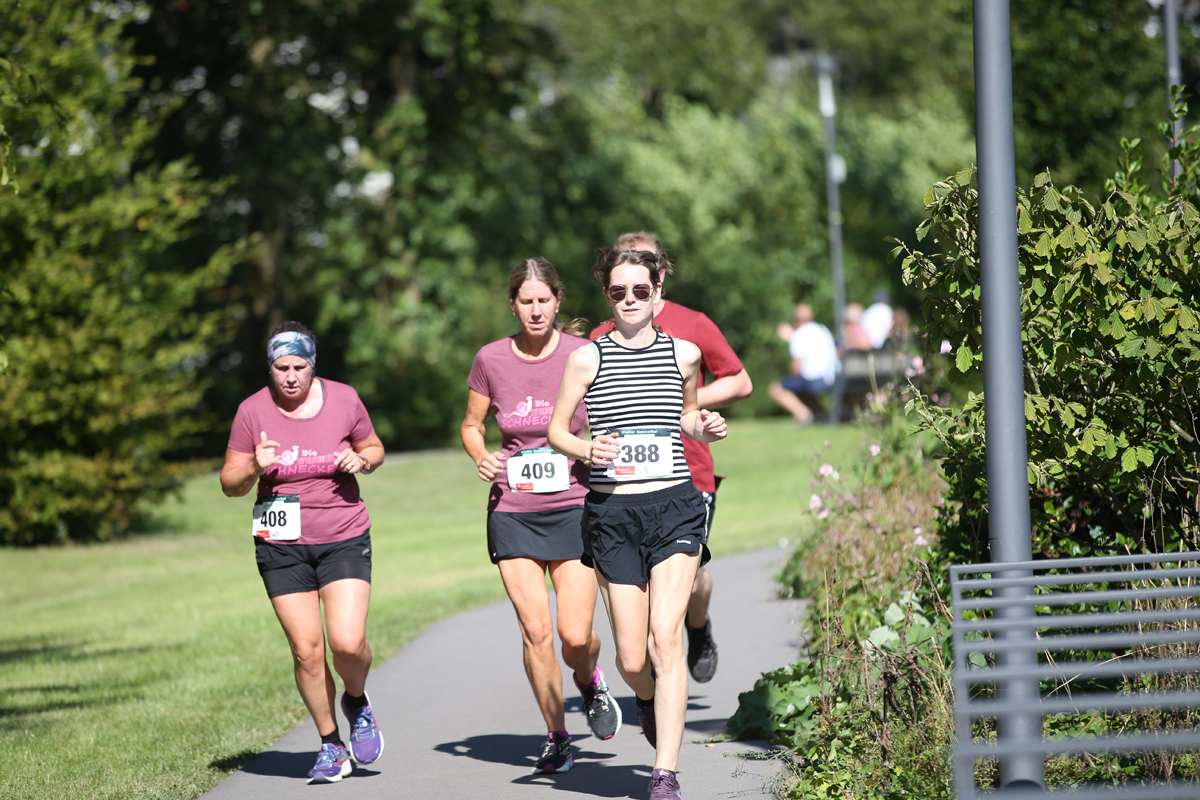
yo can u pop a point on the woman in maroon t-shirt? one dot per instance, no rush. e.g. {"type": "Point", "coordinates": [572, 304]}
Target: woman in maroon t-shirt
{"type": "Point", "coordinates": [535, 506]}
{"type": "Point", "coordinates": [303, 441]}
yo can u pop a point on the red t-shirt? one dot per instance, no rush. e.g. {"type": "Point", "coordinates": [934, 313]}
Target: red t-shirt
{"type": "Point", "coordinates": [331, 509]}
{"type": "Point", "coordinates": [523, 393]}
{"type": "Point", "coordinates": [716, 358]}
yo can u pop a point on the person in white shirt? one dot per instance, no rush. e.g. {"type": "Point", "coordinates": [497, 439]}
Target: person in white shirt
{"type": "Point", "coordinates": [877, 320]}
{"type": "Point", "coordinates": [813, 368]}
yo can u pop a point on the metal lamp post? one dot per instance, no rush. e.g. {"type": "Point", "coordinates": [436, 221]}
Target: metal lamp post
{"type": "Point", "coordinates": [1174, 73]}
{"type": "Point", "coordinates": [1003, 375]}
{"type": "Point", "coordinates": [835, 173]}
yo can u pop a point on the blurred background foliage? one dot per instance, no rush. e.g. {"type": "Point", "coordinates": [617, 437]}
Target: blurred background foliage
{"type": "Point", "coordinates": [375, 169]}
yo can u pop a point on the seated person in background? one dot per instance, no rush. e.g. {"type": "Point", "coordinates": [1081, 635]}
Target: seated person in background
{"type": "Point", "coordinates": [877, 320]}
{"type": "Point", "coordinates": [854, 335]}
{"type": "Point", "coordinates": [813, 368]}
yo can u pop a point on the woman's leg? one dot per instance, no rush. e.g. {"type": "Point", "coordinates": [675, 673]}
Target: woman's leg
{"type": "Point", "coordinates": [300, 616]}
{"type": "Point", "coordinates": [525, 582]}
{"type": "Point", "coordinates": [670, 587]}
{"type": "Point", "coordinates": [347, 602]}
{"type": "Point", "coordinates": [629, 615]}
{"type": "Point", "coordinates": [575, 596]}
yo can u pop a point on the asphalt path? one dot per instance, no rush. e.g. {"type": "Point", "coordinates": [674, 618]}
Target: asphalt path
{"type": "Point", "coordinates": [459, 719]}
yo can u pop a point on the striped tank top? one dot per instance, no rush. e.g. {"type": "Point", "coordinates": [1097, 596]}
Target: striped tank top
{"type": "Point", "coordinates": [638, 394]}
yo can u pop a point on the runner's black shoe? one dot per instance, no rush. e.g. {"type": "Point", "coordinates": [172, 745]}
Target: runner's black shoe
{"type": "Point", "coordinates": [646, 718]}
{"type": "Point", "coordinates": [603, 713]}
{"type": "Point", "coordinates": [556, 756]}
{"type": "Point", "coordinates": [702, 652]}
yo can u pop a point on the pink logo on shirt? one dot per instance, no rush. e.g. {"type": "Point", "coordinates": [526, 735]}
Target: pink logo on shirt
{"type": "Point", "coordinates": [528, 412]}
{"type": "Point", "coordinates": [303, 462]}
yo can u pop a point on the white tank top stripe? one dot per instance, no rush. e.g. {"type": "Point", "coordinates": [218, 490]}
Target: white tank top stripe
{"type": "Point", "coordinates": [637, 389]}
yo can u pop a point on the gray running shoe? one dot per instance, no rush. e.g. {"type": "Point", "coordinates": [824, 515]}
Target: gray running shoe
{"type": "Point", "coordinates": [663, 785]}
{"type": "Point", "coordinates": [646, 718]}
{"type": "Point", "coordinates": [556, 756]}
{"type": "Point", "coordinates": [603, 713]}
{"type": "Point", "coordinates": [702, 652]}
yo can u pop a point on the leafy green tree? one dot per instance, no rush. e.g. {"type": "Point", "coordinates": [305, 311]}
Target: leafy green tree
{"type": "Point", "coordinates": [1110, 300]}
{"type": "Point", "coordinates": [96, 319]}
{"type": "Point", "coordinates": [398, 160]}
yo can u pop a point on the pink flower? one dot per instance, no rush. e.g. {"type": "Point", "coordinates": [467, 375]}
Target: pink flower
{"type": "Point", "coordinates": [814, 502]}
{"type": "Point", "coordinates": [875, 450]}
{"type": "Point", "coordinates": [823, 513]}
{"type": "Point", "coordinates": [920, 541]}
{"type": "Point", "coordinates": [826, 469]}
{"type": "Point", "coordinates": [946, 346]}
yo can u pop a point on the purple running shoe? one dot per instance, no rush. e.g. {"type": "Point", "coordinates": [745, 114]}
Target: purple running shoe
{"type": "Point", "coordinates": [333, 764]}
{"type": "Point", "coordinates": [663, 785]}
{"type": "Point", "coordinates": [366, 742]}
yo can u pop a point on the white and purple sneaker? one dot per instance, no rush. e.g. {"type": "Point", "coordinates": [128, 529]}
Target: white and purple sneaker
{"type": "Point", "coordinates": [333, 764]}
{"type": "Point", "coordinates": [366, 742]}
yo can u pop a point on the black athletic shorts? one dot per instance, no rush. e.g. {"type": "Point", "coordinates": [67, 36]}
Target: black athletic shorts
{"type": "Point", "coordinates": [626, 535]}
{"type": "Point", "coordinates": [710, 503]}
{"type": "Point", "coordinates": [540, 535]}
{"type": "Point", "coordinates": [292, 568]}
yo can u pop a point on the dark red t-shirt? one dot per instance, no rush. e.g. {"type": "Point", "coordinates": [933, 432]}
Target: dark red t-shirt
{"type": "Point", "coordinates": [331, 509]}
{"type": "Point", "coordinates": [716, 358]}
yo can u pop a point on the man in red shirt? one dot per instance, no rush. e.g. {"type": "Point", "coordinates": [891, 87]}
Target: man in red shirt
{"type": "Point", "coordinates": [730, 384]}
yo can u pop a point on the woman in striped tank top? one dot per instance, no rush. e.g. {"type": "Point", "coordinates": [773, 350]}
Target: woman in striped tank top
{"type": "Point", "coordinates": [644, 521]}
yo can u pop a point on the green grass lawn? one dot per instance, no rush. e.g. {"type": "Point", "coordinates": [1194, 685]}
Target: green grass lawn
{"type": "Point", "coordinates": [152, 667]}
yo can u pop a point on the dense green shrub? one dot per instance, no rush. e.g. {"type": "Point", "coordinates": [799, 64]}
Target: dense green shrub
{"type": "Point", "coordinates": [102, 349]}
{"type": "Point", "coordinates": [1110, 299]}
{"type": "Point", "coordinates": [866, 712]}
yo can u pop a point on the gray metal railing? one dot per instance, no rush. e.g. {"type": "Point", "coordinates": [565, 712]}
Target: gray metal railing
{"type": "Point", "coordinates": [1005, 630]}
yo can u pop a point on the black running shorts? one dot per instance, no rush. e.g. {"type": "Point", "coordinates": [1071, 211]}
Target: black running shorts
{"type": "Point", "coordinates": [626, 535]}
{"type": "Point", "coordinates": [292, 568]}
{"type": "Point", "coordinates": [540, 535]}
{"type": "Point", "coordinates": [710, 508]}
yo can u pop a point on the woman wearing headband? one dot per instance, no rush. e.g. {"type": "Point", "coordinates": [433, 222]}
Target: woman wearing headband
{"type": "Point", "coordinates": [303, 441]}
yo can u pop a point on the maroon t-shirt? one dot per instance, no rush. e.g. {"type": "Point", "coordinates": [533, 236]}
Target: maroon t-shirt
{"type": "Point", "coordinates": [716, 358]}
{"type": "Point", "coordinates": [331, 509]}
{"type": "Point", "coordinates": [523, 394]}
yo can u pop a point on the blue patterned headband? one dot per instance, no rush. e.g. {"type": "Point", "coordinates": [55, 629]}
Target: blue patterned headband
{"type": "Point", "coordinates": [292, 343]}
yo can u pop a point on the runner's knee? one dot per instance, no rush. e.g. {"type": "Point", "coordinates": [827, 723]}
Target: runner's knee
{"type": "Point", "coordinates": [538, 633]}
{"type": "Point", "coordinates": [574, 641]}
{"type": "Point", "coordinates": [665, 640]}
{"type": "Point", "coordinates": [632, 663]}
{"type": "Point", "coordinates": [309, 657]}
{"type": "Point", "coordinates": [347, 646]}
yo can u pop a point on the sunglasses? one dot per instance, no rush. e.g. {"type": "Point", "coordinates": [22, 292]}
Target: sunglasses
{"type": "Point", "coordinates": [642, 291]}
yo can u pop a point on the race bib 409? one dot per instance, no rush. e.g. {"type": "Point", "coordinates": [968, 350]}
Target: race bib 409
{"type": "Point", "coordinates": [539, 470]}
